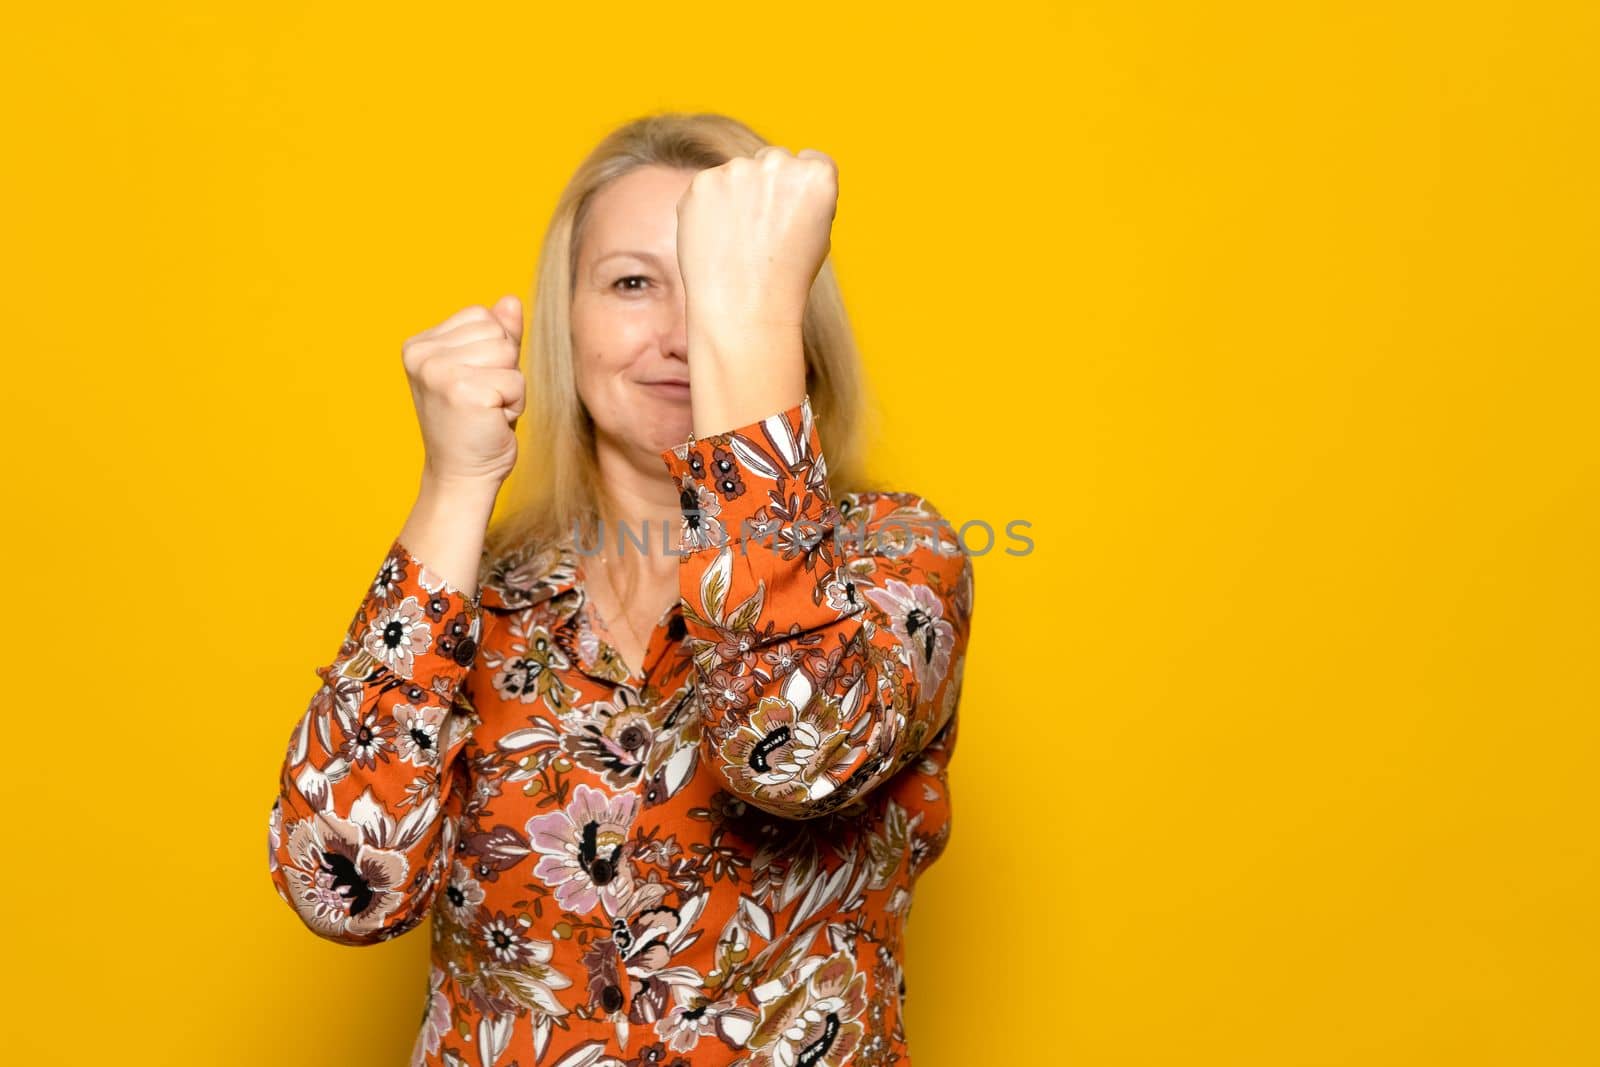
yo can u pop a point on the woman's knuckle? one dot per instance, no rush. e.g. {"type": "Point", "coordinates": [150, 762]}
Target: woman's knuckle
{"type": "Point", "coordinates": [434, 375]}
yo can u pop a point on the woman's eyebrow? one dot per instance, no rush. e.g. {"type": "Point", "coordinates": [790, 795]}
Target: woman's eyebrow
{"type": "Point", "coordinates": [649, 257]}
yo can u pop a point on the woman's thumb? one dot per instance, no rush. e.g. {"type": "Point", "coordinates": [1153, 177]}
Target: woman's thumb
{"type": "Point", "coordinates": [508, 309]}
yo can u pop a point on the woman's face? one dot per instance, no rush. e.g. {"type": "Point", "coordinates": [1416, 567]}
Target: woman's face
{"type": "Point", "coordinates": [628, 333]}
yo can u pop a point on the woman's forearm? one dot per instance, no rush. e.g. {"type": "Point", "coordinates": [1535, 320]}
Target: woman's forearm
{"type": "Point", "coordinates": [740, 373]}
{"type": "Point", "coordinates": [446, 528]}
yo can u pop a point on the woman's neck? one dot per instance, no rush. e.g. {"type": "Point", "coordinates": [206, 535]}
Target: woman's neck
{"type": "Point", "coordinates": [646, 509]}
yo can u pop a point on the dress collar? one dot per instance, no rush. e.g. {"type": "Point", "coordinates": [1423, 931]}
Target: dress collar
{"type": "Point", "coordinates": [528, 575]}
{"type": "Point", "coordinates": [533, 574]}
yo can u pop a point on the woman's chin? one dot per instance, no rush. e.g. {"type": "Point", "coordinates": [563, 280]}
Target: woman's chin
{"type": "Point", "coordinates": [668, 430]}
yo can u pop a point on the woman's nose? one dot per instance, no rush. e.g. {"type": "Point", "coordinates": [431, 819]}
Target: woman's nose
{"type": "Point", "coordinates": [675, 339]}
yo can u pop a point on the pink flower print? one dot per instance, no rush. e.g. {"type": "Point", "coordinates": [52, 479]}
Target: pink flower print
{"type": "Point", "coordinates": [584, 849]}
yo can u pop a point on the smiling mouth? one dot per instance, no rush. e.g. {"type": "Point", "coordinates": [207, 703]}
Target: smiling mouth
{"type": "Point", "coordinates": [673, 391]}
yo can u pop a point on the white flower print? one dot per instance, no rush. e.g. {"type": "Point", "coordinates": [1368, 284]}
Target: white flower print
{"type": "Point", "coordinates": [691, 1018]}
{"type": "Point", "coordinates": [418, 737]}
{"type": "Point", "coordinates": [341, 885]}
{"type": "Point", "coordinates": [461, 895]}
{"type": "Point", "coordinates": [399, 634]}
{"type": "Point", "coordinates": [700, 527]}
{"type": "Point", "coordinates": [919, 622]}
{"type": "Point", "coordinates": [507, 939]}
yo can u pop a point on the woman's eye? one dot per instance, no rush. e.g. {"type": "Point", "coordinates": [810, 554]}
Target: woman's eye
{"type": "Point", "coordinates": [630, 278]}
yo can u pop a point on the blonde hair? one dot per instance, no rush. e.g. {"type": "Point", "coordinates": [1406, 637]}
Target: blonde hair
{"type": "Point", "coordinates": [555, 487]}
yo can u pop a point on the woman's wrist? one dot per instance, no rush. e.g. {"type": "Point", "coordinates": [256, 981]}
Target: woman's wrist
{"type": "Point", "coordinates": [742, 373]}
{"type": "Point", "coordinates": [446, 527]}
{"type": "Point", "coordinates": [472, 493]}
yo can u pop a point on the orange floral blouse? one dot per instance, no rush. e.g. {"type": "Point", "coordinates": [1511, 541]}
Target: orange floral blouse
{"type": "Point", "coordinates": [709, 861]}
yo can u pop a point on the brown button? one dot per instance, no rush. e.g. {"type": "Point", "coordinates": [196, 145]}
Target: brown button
{"type": "Point", "coordinates": [611, 998]}
{"type": "Point", "coordinates": [466, 649]}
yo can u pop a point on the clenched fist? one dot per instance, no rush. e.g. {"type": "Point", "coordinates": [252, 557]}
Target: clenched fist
{"type": "Point", "coordinates": [752, 234]}
{"type": "Point", "coordinates": [469, 393]}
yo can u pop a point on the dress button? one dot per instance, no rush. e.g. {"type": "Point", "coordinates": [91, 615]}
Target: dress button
{"type": "Point", "coordinates": [611, 998]}
{"type": "Point", "coordinates": [466, 649]}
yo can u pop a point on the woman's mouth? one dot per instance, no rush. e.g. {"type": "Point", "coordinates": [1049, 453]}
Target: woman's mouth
{"type": "Point", "coordinates": [672, 390]}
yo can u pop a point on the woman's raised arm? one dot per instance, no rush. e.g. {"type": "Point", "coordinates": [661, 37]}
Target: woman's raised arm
{"type": "Point", "coordinates": [358, 834]}
{"type": "Point", "coordinates": [829, 647]}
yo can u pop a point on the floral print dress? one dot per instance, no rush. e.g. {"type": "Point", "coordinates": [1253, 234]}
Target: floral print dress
{"type": "Point", "coordinates": [707, 861]}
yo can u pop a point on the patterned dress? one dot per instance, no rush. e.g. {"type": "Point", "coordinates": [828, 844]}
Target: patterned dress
{"type": "Point", "coordinates": [709, 860]}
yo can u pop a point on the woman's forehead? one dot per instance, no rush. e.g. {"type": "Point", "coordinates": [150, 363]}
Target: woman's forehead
{"type": "Point", "coordinates": [637, 215]}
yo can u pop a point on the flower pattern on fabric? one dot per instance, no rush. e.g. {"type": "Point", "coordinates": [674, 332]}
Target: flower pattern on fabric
{"type": "Point", "coordinates": [582, 850]}
{"type": "Point", "coordinates": [710, 859]}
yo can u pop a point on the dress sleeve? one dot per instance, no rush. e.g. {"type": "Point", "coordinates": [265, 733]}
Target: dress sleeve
{"type": "Point", "coordinates": [357, 836]}
{"type": "Point", "coordinates": [828, 646]}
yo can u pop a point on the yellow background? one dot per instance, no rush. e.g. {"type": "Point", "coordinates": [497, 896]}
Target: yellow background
{"type": "Point", "coordinates": [1276, 321]}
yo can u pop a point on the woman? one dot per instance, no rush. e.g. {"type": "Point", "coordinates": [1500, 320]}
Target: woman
{"type": "Point", "coordinates": [664, 804]}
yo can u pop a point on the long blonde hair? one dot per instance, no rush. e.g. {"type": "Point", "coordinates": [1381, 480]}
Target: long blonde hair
{"type": "Point", "coordinates": [555, 487]}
